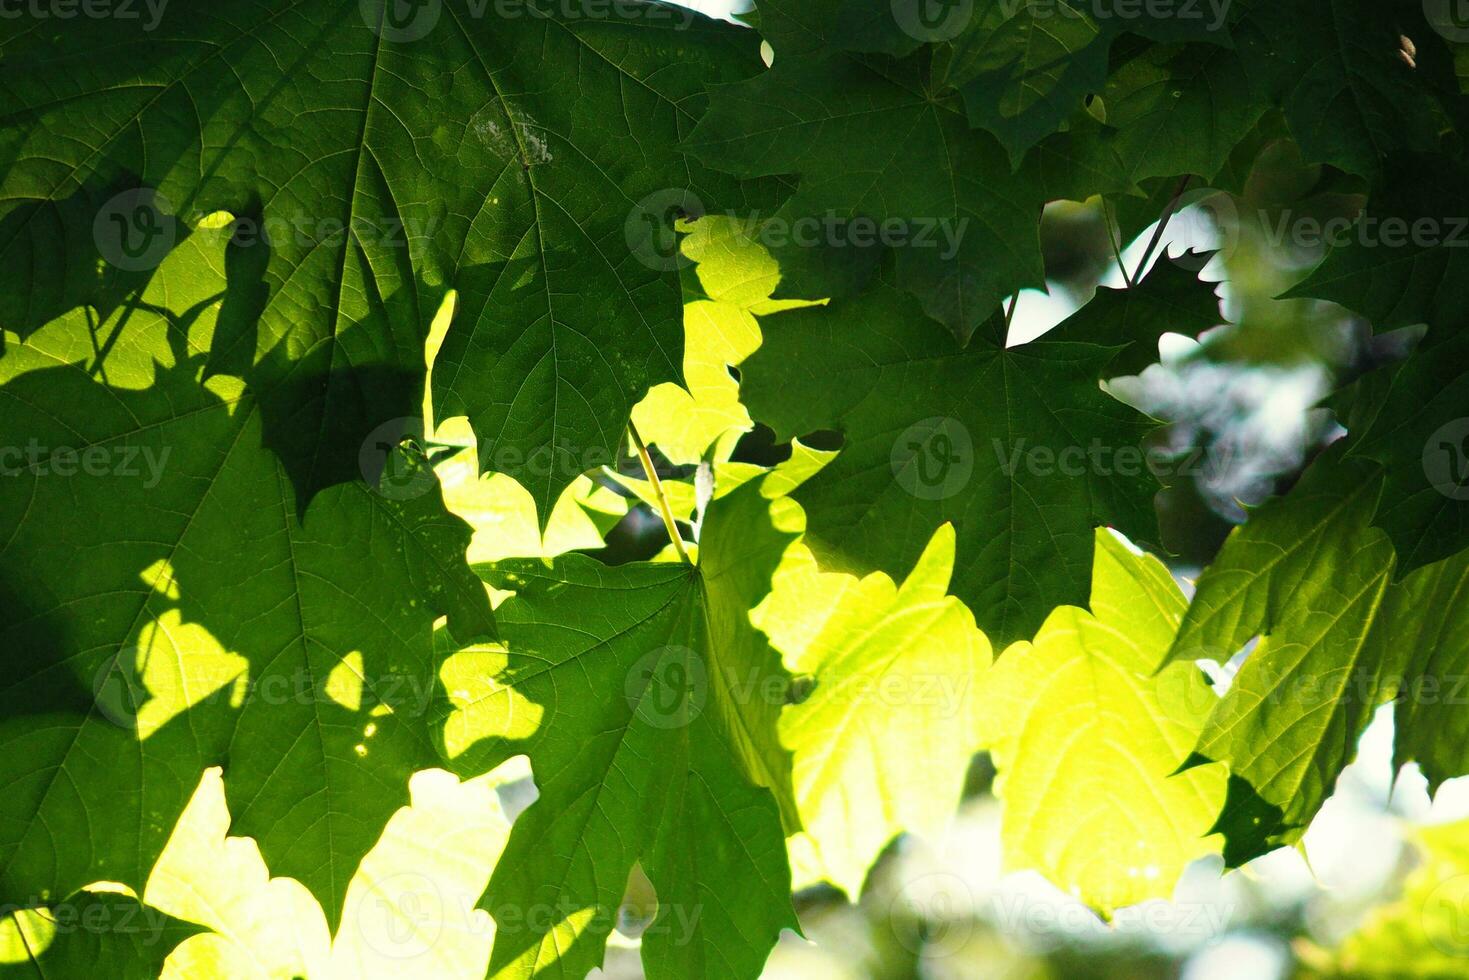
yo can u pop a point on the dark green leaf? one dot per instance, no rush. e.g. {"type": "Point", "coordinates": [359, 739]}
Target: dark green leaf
{"type": "Point", "coordinates": [166, 609]}
{"type": "Point", "coordinates": [869, 140]}
{"type": "Point", "coordinates": [1017, 447]}
{"type": "Point", "coordinates": [89, 933]}
{"type": "Point", "coordinates": [529, 160]}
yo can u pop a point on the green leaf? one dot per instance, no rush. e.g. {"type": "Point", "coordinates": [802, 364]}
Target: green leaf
{"type": "Point", "coordinates": [1087, 739]}
{"type": "Point", "coordinates": [1025, 67]}
{"type": "Point", "coordinates": [935, 432]}
{"type": "Point", "coordinates": [1403, 261]}
{"type": "Point", "coordinates": [1427, 614]}
{"type": "Point", "coordinates": [503, 513]}
{"type": "Point", "coordinates": [802, 27]}
{"type": "Point", "coordinates": [86, 933]}
{"type": "Point", "coordinates": [1266, 141]}
{"type": "Point", "coordinates": [504, 519]}
{"type": "Point", "coordinates": [1170, 299]}
{"type": "Point", "coordinates": [648, 705]}
{"type": "Point", "coordinates": [895, 671]}
{"type": "Point", "coordinates": [385, 164]}
{"type": "Point", "coordinates": [1309, 576]}
{"type": "Point", "coordinates": [869, 138]}
{"type": "Point", "coordinates": [1335, 68]}
{"type": "Point", "coordinates": [1313, 579]}
{"type": "Point", "coordinates": [166, 608]}
{"type": "Point", "coordinates": [1420, 435]}
{"type": "Point", "coordinates": [1169, 111]}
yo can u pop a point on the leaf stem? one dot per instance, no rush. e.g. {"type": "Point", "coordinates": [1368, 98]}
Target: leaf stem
{"type": "Point", "coordinates": [1162, 224]}
{"type": "Point", "coordinates": [1114, 238]}
{"type": "Point", "coordinates": [663, 509]}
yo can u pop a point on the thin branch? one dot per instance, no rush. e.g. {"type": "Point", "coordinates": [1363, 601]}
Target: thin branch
{"type": "Point", "coordinates": [1162, 224]}
{"type": "Point", "coordinates": [1114, 238]}
{"type": "Point", "coordinates": [665, 511]}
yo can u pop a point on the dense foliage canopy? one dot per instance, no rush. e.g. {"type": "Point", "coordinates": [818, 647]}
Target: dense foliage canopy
{"type": "Point", "coordinates": [339, 336]}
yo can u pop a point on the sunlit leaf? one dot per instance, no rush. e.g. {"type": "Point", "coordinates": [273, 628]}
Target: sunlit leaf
{"type": "Point", "coordinates": [1087, 739]}
{"type": "Point", "coordinates": [894, 673]}
{"type": "Point", "coordinates": [648, 705]}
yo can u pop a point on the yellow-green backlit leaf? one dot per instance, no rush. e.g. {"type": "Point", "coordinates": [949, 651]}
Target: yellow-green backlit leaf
{"type": "Point", "coordinates": [1086, 740]}
{"type": "Point", "coordinates": [882, 743]}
